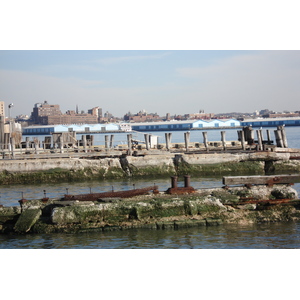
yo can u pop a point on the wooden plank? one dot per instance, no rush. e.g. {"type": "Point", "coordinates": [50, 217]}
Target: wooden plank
{"type": "Point", "coordinates": [274, 179]}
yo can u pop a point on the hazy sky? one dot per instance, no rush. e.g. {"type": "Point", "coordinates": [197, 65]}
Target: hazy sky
{"type": "Point", "coordinates": [162, 81]}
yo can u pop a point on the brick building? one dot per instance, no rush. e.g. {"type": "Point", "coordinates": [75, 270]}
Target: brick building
{"type": "Point", "coordinates": [48, 114]}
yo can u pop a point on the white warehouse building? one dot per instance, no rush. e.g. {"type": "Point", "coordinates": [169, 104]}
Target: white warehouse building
{"type": "Point", "coordinates": [185, 125]}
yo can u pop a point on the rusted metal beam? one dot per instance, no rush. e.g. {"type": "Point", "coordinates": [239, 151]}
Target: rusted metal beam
{"type": "Point", "coordinates": [269, 180]}
{"type": "Point", "coordinates": [118, 194]}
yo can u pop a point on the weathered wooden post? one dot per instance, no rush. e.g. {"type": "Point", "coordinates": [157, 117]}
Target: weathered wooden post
{"type": "Point", "coordinates": [111, 142]}
{"type": "Point", "coordinates": [204, 133]}
{"type": "Point", "coordinates": [268, 136]}
{"type": "Point", "coordinates": [278, 137]}
{"type": "Point", "coordinates": [36, 145]}
{"type": "Point", "coordinates": [129, 143]}
{"type": "Point", "coordinates": [223, 133]}
{"type": "Point", "coordinates": [146, 135]}
{"type": "Point", "coordinates": [249, 135]}
{"type": "Point", "coordinates": [259, 139]}
{"type": "Point", "coordinates": [283, 135]}
{"type": "Point", "coordinates": [61, 139]}
{"type": "Point", "coordinates": [106, 142]}
{"type": "Point", "coordinates": [241, 138]}
{"type": "Point", "coordinates": [187, 140]}
{"type": "Point", "coordinates": [84, 142]}
{"type": "Point", "coordinates": [27, 142]}
{"type": "Point", "coordinates": [168, 136]}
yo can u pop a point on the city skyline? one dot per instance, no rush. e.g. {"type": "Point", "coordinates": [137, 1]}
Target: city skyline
{"type": "Point", "coordinates": [175, 82]}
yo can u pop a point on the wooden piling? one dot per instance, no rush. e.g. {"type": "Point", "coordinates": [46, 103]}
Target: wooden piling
{"type": "Point", "coordinates": [146, 136]}
{"type": "Point", "coordinates": [129, 143]}
{"type": "Point", "coordinates": [268, 136]}
{"type": "Point", "coordinates": [283, 135]}
{"type": "Point", "coordinates": [168, 136]}
{"type": "Point", "coordinates": [223, 133]}
{"type": "Point", "coordinates": [278, 137]}
{"type": "Point", "coordinates": [187, 140]}
{"type": "Point", "coordinates": [205, 141]}
{"type": "Point", "coordinates": [106, 142]}
{"type": "Point", "coordinates": [248, 135]}
{"type": "Point", "coordinates": [84, 142]}
{"type": "Point", "coordinates": [259, 139]}
{"type": "Point", "coordinates": [111, 142]}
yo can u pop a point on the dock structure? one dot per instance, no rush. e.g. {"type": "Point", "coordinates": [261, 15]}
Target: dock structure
{"type": "Point", "coordinates": [65, 144]}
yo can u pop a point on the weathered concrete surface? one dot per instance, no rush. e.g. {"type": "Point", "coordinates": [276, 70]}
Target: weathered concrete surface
{"type": "Point", "coordinates": [166, 159]}
{"type": "Point", "coordinates": [151, 160]}
{"type": "Point", "coordinates": [204, 208]}
{"type": "Point", "coordinates": [64, 163]}
{"type": "Point", "coordinates": [27, 219]}
{"type": "Point", "coordinates": [214, 158]}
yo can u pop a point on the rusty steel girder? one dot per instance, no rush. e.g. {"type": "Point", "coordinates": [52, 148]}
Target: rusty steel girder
{"type": "Point", "coordinates": [118, 194]}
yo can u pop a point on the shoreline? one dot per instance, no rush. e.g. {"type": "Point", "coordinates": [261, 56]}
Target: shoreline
{"type": "Point", "coordinates": [154, 211]}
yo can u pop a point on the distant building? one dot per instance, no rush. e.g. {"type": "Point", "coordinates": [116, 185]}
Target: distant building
{"type": "Point", "coordinates": [96, 111]}
{"type": "Point", "coordinates": [49, 114]}
{"type": "Point", "coordinates": [271, 122]}
{"type": "Point", "coordinates": [2, 108]}
{"type": "Point", "coordinates": [79, 128]}
{"type": "Point", "coordinates": [185, 125]}
{"type": "Point", "coordinates": [142, 116]}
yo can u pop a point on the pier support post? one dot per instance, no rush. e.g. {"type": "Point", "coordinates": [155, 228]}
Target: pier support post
{"type": "Point", "coordinates": [283, 135]}
{"type": "Point", "coordinates": [204, 133]}
{"type": "Point", "coordinates": [61, 139]}
{"type": "Point", "coordinates": [36, 145]}
{"type": "Point", "coordinates": [268, 136]}
{"type": "Point", "coordinates": [187, 140]}
{"type": "Point", "coordinates": [146, 135]}
{"type": "Point", "coordinates": [129, 143]}
{"type": "Point", "coordinates": [111, 142]}
{"type": "Point", "coordinates": [168, 136]}
{"type": "Point", "coordinates": [278, 137]}
{"type": "Point", "coordinates": [84, 142]}
{"type": "Point", "coordinates": [249, 135]}
{"type": "Point", "coordinates": [106, 142]}
{"type": "Point", "coordinates": [259, 139]}
{"type": "Point", "coordinates": [223, 133]}
{"type": "Point", "coordinates": [243, 140]}
{"type": "Point", "coordinates": [27, 142]}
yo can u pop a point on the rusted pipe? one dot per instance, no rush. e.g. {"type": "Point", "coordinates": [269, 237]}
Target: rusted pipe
{"type": "Point", "coordinates": [187, 180]}
{"type": "Point", "coordinates": [174, 182]}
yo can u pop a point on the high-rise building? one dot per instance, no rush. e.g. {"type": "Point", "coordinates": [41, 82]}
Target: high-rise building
{"type": "Point", "coordinates": [2, 108]}
{"type": "Point", "coordinates": [41, 110]}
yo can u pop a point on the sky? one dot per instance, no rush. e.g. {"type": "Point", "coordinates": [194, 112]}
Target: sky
{"type": "Point", "coordinates": [158, 81]}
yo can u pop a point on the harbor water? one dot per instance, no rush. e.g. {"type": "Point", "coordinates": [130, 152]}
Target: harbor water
{"type": "Point", "coordinates": [259, 236]}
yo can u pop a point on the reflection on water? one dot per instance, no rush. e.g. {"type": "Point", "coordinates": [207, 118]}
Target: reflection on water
{"type": "Point", "coordinates": [259, 236]}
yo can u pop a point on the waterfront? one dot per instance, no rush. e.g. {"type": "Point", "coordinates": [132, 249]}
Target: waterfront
{"type": "Point", "coordinates": [178, 136]}
{"type": "Point", "coordinates": [260, 236]}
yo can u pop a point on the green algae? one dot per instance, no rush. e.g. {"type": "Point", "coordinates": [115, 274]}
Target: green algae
{"type": "Point", "coordinates": [245, 167]}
